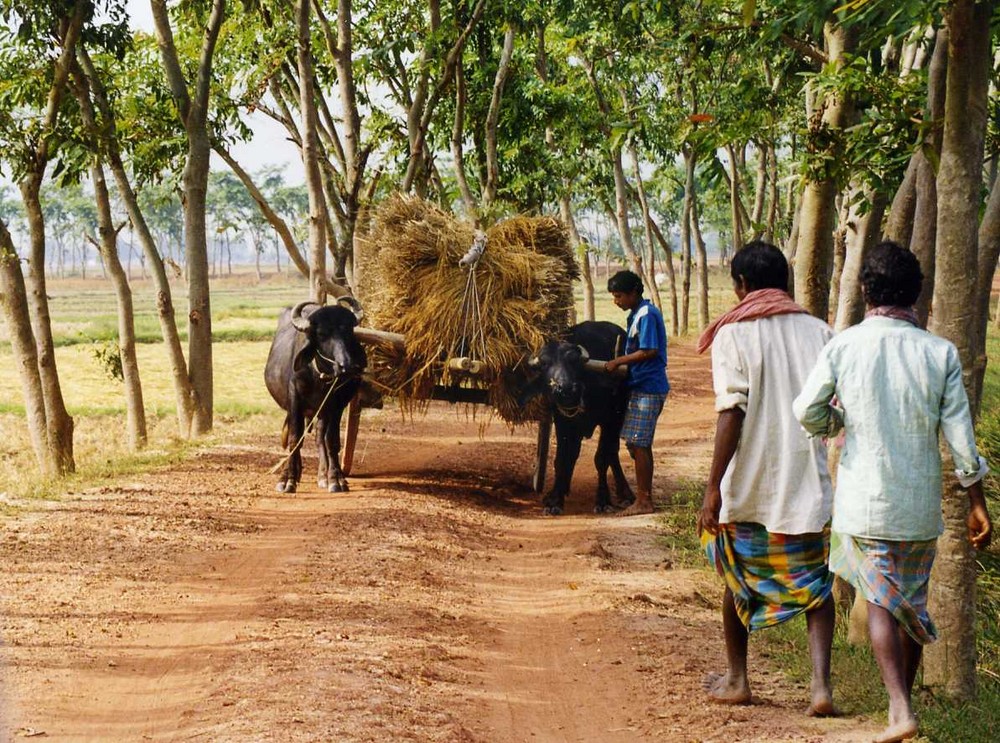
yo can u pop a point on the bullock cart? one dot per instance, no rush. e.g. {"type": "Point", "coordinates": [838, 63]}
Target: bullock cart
{"type": "Point", "coordinates": [455, 314]}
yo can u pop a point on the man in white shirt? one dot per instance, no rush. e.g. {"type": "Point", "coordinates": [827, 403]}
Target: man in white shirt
{"type": "Point", "coordinates": [764, 519]}
{"type": "Point", "coordinates": [896, 386]}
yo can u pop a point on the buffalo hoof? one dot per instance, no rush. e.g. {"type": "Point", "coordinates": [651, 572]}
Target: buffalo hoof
{"type": "Point", "coordinates": [553, 510]}
{"type": "Point", "coordinates": [285, 487]}
{"type": "Point", "coordinates": [322, 483]}
{"type": "Point", "coordinates": [338, 487]}
{"type": "Point", "coordinates": [605, 508]}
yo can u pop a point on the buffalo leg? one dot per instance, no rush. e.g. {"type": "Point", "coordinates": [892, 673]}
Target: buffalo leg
{"type": "Point", "coordinates": [336, 478]}
{"type": "Point", "coordinates": [322, 470]}
{"type": "Point", "coordinates": [567, 452]}
{"type": "Point", "coordinates": [604, 459]}
{"type": "Point", "coordinates": [293, 467]}
{"type": "Point", "coordinates": [613, 457]}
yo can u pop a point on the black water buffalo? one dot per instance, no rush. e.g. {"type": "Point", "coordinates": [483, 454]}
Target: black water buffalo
{"type": "Point", "coordinates": [582, 400]}
{"type": "Point", "coordinates": [315, 357]}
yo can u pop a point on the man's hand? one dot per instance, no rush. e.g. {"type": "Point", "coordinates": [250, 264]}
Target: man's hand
{"type": "Point", "coordinates": [980, 527]}
{"type": "Point", "coordinates": [612, 365]}
{"type": "Point", "coordinates": [711, 505]}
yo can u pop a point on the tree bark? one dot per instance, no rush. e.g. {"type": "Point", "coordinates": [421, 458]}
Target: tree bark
{"type": "Point", "coordinates": [192, 108]}
{"type": "Point", "coordinates": [814, 249]}
{"type": "Point", "coordinates": [580, 248]}
{"type": "Point", "coordinates": [950, 663]}
{"type": "Point", "coordinates": [492, 119]}
{"type": "Point", "coordinates": [14, 298]}
{"type": "Point", "coordinates": [647, 221]}
{"type": "Point", "coordinates": [923, 234]}
{"type": "Point", "coordinates": [310, 155]}
{"type": "Point", "coordinates": [701, 263]}
{"type": "Point", "coordinates": [686, 209]}
{"type": "Point", "coordinates": [671, 278]}
{"type": "Point", "coordinates": [862, 234]}
{"type": "Point", "coordinates": [457, 148]}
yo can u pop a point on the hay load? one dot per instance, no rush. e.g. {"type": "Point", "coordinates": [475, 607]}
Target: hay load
{"type": "Point", "coordinates": [517, 295]}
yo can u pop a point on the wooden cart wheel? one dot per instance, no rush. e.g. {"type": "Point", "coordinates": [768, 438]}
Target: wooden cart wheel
{"type": "Point", "coordinates": [351, 435]}
{"type": "Point", "coordinates": [542, 452]}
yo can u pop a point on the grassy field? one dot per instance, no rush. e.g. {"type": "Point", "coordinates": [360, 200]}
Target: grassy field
{"type": "Point", "coordinates": [244, 315]}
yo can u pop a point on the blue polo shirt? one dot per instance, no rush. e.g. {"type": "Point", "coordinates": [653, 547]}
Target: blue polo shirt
{"type": "Point", "coordinates": [647, 331]}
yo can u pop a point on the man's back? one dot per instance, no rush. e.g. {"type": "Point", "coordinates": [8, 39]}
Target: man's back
{"type": "Point", "coordinates": [778, 477]}
{"type": "Point", "coordinates": [897, 385]}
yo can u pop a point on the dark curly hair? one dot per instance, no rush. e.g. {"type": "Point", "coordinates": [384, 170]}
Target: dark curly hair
{"type": "Point", "coordinates": [761, 266]}
{"type": "Point", "coordinates": [891, 276]}
{"type": "Point", "coordinates": [625, 281]}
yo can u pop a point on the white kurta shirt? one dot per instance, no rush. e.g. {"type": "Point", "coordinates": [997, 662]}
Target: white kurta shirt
{"type": "Point", "coordinates": [778, 477]}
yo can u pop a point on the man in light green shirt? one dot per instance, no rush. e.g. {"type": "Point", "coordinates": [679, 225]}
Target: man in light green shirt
{"type": "Point", "coordinates": [894, 387]}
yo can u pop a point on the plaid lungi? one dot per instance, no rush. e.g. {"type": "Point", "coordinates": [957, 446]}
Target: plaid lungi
{"type": "Point", "coordinates": [890, 574]}
{"type": "Point", "coordinates": [641, 416]}
{"type": "Point", "coordinates": [773, 577]}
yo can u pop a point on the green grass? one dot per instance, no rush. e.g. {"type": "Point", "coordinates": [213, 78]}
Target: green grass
{"type": "Point", "coordinates": [677, 520]}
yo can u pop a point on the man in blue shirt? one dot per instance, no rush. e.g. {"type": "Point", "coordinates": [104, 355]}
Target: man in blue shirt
{"type": "Point", "coordinates": [646, 357]}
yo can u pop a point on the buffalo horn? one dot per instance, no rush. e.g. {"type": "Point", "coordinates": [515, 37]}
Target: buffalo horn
{"type": "Point", "coordinates": [300, 323]}
{"type": "Point", "coordinates": [584, 353]}
{"type": "Point", "coordinates": [353, 305]}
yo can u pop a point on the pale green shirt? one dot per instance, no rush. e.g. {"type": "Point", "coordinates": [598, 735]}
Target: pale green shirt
{"type": "Point", "coordinates": [896, 387]}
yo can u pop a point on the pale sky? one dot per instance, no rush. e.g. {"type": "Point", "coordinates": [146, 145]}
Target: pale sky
{"type": "Point", "coordinates": [269, 145]}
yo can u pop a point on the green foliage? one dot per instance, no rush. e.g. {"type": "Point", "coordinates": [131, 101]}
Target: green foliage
{"type": "Point", "coordinates": [108, 356]}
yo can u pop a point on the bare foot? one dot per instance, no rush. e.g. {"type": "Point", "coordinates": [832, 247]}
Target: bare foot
{"type": "Point", "coordinates": [637, 508]}
{"type": "Point", "coordinates": [723, 690]}
{"type": "Point", "coordinates": [902, 730]}
{"type": "Point", "coordinates": [821, 704]}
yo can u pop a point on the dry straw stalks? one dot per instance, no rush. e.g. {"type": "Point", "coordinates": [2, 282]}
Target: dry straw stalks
{"type": "Point", "coordinates": [411, 283]}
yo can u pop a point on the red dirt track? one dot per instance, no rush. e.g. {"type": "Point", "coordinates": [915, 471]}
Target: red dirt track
{"type": "Point", "coordinates": [433, 602]}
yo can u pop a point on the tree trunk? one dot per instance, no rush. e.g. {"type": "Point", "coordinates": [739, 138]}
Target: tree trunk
{"type": "Point", "coordinates": [310, 156]}
{"type": "Point", "coordinates": [671, 278]}
{"type": "Point", "coordinates": [701, 263]}
{"type": "Point", "coordinates": [772, 205]}
{"type": "Point", "coordinates": [14, 298]}
{"type": "Point", "coordinates": [686, 209]}
{"type": "Point", "coordinates": [583, 254]}
{"type": "Point", "coordinates": [193, 113]}
{"type": "Point", "coordinates": [950, 663]}
{"type": "Point", "coordinates": [457, 149]}
{"type": "Point", "coordinates": [814, 249]}
{"type": "Point", "coordinates": [924, 230]}
{"type": "Point", "coordinates": [492, 119]}
{"type": "Point", "coordinates": [735, 203]}
{"type": "Point", "coordinates": [862, 234]}
{"type": "Point", "coordinates": [647, 221]}
{"type": "Point", "coordinates": [57, 418]}
{"type": "Point", "coordinates": [759, 192]}
{"type": "Point", "coordinates": [854, 193]}
{"type": "Point", "coordinates": [135, 411]}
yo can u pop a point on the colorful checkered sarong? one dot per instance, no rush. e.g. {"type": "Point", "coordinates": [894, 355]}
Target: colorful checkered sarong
{"type": "Point", "coordinates": [773, 577]}
{"type": "Point", "coordinates": [640, 418]}
{"type": "Point", "coordinates": [889, 574]}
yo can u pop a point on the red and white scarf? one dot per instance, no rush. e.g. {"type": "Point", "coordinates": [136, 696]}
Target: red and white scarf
{"type": "Point", "coordinates": [754, 306]}
{"type": "Point", "coordinates": [895, 312]}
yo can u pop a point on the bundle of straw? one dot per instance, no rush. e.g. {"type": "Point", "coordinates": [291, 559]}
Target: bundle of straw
{"type": "Point", "coordinates": [411, 283]}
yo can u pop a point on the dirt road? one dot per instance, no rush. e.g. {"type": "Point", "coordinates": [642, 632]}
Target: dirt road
{"type": "Point", "coordinates": [431, 603]}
